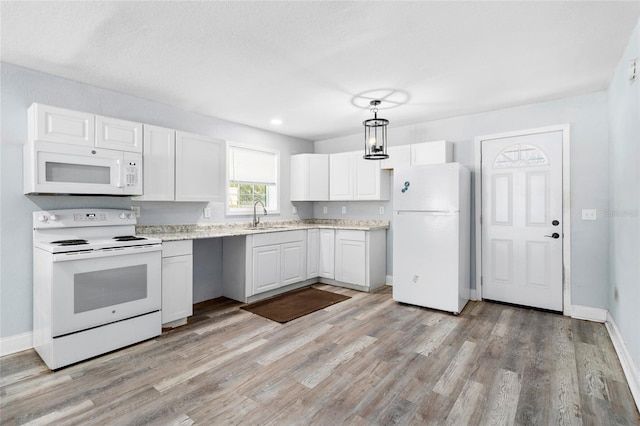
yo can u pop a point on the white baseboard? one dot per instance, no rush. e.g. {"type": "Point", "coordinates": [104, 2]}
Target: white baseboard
{"type": "Point", "coordinates": [17, 343]}
{"type": "Point", "coordinates": [389, 279]}
{"type": "Point", "coordinates": [628, 366]}
{"type": "Point", "coordinates": [588, 313]}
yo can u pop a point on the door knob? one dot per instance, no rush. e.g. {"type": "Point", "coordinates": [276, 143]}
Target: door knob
{"type": "Point", "coordinates": [555, 235]}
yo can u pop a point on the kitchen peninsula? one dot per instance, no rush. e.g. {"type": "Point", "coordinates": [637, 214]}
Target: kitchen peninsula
{"type": "Point", "coordinates": [272, 258]}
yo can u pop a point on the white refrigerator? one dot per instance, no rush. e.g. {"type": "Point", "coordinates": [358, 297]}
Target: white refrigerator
{"type": "Point", "coordinates": [431, 236]}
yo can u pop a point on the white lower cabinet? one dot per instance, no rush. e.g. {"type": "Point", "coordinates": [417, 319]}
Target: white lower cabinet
{"type": "Point", "coordinates": [177, 281]}
{"type": "Point", "coordinates": [326, 258]}
{"type": "Point", "coordinates": [320, 253]}
{"type": "Point", "coordinates": [279, 259]}
{"type": "Point", "coordinates": [313, 253]}
{"type": "Point", "coordinates": [293, 261]}
{"type": "Point", "coordinates": [260, 265]}
{"type": "Point", "coordinates": [351, 252]}
{"type": "Point", "coordinates": [263, 265]}
{"type": "Point", "coordinates": [266, 268]}
{"type": "Point", "coordinates": [360, 259]}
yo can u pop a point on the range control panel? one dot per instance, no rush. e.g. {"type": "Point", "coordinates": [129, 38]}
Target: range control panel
{"type": "Point", "coordinates": [82, 217]}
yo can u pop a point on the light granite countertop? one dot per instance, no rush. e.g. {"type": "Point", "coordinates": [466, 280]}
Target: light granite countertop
{"type": "Point", "coordinates": [230, 229]}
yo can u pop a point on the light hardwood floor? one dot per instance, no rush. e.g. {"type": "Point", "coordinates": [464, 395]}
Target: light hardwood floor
{"type": "Point", "coordinates": [367, 360]}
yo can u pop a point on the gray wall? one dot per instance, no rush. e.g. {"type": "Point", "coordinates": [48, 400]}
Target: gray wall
{"type": "Point", "coordinates": [587, 116]}
{"type": "Point", "coordinates": [624, 211]}
{"type": "Point", "coordinates": [19, 88]}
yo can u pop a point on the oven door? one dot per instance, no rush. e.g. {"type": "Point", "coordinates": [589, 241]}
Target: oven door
{"type": "Point", "coordinates": [94, 288]}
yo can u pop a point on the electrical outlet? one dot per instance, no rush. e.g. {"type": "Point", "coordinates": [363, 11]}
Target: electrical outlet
{"type": "Point", "coordinates": [325, 210]}
{"type": "Point", "coordinates": [136, 210]}
{"type": "Point", "coordinates": [344, 209]}
{"type": "Point", "coordinates": [207, 212]}
{"type": "Point", "coordinates": [589, 214]}
{"type": "Point", "coordinates": [381, 210]}
{"type": "Point", "coordinates": [294, 210]}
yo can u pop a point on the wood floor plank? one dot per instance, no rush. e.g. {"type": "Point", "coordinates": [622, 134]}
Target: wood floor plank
{"type": "Point", "coordinates": [502, 400]}
{"type": "Point", "coordinates": [365, 361]}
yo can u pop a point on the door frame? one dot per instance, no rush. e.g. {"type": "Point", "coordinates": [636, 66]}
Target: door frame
{"type": "Point", "coordinates": [566, 205]}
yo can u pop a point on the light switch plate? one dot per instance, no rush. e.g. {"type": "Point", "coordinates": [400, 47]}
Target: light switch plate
{"type": "Point", "coordinates": [381, 210]}
{"type": "Point", "coordinates": [589, 214]}
{"type": "Point", "coordinates": [207, 212]}
{"type": "Point", "coordinates": [294, 210]}
{"type": "Point", "coordinates": [136, 210]}
{"type": "Point", "coordinates": [344, 209]}
{"type": "Point", "coordinates": [324, 210]}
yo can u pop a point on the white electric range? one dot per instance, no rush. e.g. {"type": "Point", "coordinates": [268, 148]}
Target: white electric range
{"type": "Point", "coordinates": [96, 285]}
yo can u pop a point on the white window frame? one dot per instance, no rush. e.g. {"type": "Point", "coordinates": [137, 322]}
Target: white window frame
{"type": "Point", "coordinates": [249, 211]}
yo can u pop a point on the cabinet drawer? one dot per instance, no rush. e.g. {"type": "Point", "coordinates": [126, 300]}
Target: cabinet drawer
{"type": "Point", "coordinates": [278, 238]}
{"type": "Point", "coordinates": [177, 248]}
{"type": "Point", "coordinates": [349, 234]}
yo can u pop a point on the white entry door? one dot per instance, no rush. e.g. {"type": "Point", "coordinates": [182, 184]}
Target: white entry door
{"type": "Point", "coordinates": [522, 230]}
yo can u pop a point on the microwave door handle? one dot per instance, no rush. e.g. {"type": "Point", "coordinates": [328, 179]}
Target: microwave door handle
{"type": "Point", "coordinates": [119, 182]}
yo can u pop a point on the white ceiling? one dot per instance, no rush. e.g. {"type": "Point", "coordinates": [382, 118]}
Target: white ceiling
{"type": "Point", "coordinates": [316, 64]}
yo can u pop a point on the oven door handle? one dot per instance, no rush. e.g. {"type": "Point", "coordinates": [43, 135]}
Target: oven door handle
{"type": "Point", "coordinates": [107, 252]}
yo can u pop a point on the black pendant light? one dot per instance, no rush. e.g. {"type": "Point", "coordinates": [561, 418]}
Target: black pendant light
{"type": "Point", "coordinates": [375, 135]}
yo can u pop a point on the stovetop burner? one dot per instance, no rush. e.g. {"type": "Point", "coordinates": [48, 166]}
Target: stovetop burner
{"type": "Point", "coordinates": [70, 242]}
{"type": "Point", "coordinates": [128, 238]}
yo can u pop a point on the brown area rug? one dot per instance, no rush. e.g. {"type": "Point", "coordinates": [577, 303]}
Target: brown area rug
{"type": "Point", "coordinates": [295, 304]}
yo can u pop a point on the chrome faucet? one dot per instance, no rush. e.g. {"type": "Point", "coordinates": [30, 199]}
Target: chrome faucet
{"type": "Point", "coordinates": [256, 219]}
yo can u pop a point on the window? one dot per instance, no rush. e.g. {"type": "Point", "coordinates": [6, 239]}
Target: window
{"type": "Point", "coordinates": [252, 175]}
{"type": "Point", "coordinates": [520, 155]}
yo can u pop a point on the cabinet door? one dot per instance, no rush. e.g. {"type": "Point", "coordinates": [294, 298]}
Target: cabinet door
{"type": "Point", "coordinates": [52, 124]}
{"type": "Point", "coordinates": [112, 133]}
{"type": "Point", "coordinates": [200, 164]}
{"type": "Point", "coordinates": [318, 178]}
{"type": "Point", "coordinates": [313, 253]}
{"type": "Point", "coordinates": [266, 268]}
{"type": "Point", "coordinates": [399, 157]}
{"type": "Point", "coordinates": [341, 176]}
{"type": "Point", "coordinates": [158, 161]}
{"type": "Point", "coordinates": [299, 177]}
{"type": "Point", "coordinates": [293, 262]}
{"type": "Point", "coordinates": [367, 179]}
{"type": "Point", "coordinates": [327, 253]}
{"type": "Point", "coordinates": [351, 257]}
{"type": "Point", "coordinates": [177, 288]}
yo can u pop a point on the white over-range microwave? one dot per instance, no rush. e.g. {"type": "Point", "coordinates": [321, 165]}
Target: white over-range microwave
{"type": "Point", "coordinates": [72, 152]}
{"type": "Point", "coordinates": [55, 168]}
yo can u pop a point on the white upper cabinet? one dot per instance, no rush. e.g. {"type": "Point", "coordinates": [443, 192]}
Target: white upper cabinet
{"type": "Point", "coordinates": [431, 153]}
{"type": "Point", "coordinates": [113, 133]}
{"type": "Point", "coordinates": [351, 177]}
{"type": "Point", "coordinates": [341, 176]}
{"type": "Point", "coordinates": [370, 181]}
{"type": "Point", "coordinates": [200, 165]}
{"type": "Point", "coordinates": [159, 164]}
{"type": "Point", "coordinates": [310, 177]}
{"type": "Point", "coordinates": [399, 157]}
{"type": "Point", "coordinates": [53, 124]}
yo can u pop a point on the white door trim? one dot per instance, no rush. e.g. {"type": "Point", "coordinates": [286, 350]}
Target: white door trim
{"type": "Point", "coordinates": [566, 205]}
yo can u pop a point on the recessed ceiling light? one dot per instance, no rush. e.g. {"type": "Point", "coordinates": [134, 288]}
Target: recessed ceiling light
{"type": "Point", "coordinates": [276, 121]}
